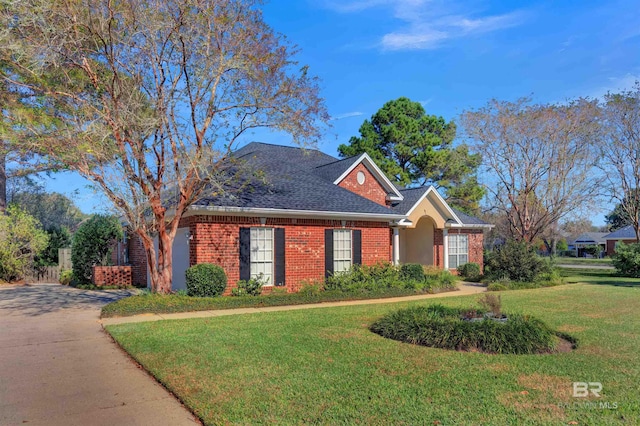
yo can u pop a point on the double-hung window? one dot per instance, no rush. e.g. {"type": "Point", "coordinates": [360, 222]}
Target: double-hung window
{"type": "Point", "coordinates": [262, 253]}
{"type": "Point", "coordinates": [458, 250]}
{"type": "Point", "coordinates": [342, 252]}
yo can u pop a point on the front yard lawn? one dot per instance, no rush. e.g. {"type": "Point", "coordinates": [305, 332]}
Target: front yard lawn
{"type": "Point", "coordinates": [325, 366]}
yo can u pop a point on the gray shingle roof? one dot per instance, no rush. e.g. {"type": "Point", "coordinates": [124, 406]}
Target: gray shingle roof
{"type": "Point", "coordinates": [590, 238]}
{"type": "Point", "coordinates": [290, 182]}
{"type": "Point", "coordinates": [411, 197]}
{"type": "Point", "coordinates": [335, 169]}
{"type": "Point", "coordinates": [626, 233]}
{"type": "Point", "coordinates": [468, 219]}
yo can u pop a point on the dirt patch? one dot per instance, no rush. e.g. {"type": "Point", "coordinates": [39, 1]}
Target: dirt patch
{"type": "Point", "coordinates": [539, 396]}
{"type": "Point", "coordinates": [564, 346]}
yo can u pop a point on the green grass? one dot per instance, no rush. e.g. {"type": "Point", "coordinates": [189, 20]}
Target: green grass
{"type": "Point", "coordinates": [164, 304]}
{"type": "Point", "coordinates": [583, 261]}
{"type": "Point", "coordinates": [325, 366]}
{"type": "Point", "coordinates": [598, 277]}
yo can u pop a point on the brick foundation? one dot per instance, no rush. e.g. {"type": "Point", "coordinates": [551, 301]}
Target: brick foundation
{"type": "Point", "coordinates": [111, 276]}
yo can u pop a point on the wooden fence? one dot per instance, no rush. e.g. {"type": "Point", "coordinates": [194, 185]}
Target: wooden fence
{"type": "Point", "coordinates": [47, 274]}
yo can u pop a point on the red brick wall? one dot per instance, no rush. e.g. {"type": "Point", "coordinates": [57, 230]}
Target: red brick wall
{"type": "Point", "coordinates": [215, 240]}
{"type": "Point", "coordinates": [611, 245]}
{"type": "Point", "coordinates": [138, 261]}
{"type": "Point", "coordinates": [370, 189]}
{"type": "Point", "coordinates": [438, 248]}
{"type": "Point", "coordinates": [111, 276]}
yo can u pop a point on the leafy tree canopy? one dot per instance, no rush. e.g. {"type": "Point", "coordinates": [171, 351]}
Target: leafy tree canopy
{"type": "Point", "coordinates": [52, 210]}
{"type": "Point", "coordinates": [414, 148]}
{"type": "Point", "coordinates": [619, 217]}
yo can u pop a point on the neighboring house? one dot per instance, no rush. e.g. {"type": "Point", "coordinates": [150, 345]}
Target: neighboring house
{"type": "Point", "coordinates": [588, 239]}
{"type": "Point", "coordinates": [626, 235]}
{"type": "Point", "coordinates": [313, 215]}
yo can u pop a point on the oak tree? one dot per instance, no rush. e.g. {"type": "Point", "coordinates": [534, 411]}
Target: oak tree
{"type": "Point", "coordinates": [150, 97]}
{"type": "Point", "coordinates": [620, 153]}
{"type": "Point", "coordinates": [539, 160]}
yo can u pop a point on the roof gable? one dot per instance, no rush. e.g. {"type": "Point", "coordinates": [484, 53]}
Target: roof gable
{"type": "Point", "coordinates": [373, 168]}
{"type": "Point", "coordinates": [428, 201]}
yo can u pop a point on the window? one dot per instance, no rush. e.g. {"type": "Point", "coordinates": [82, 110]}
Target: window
{"type": "Point", "coordinates": [262, 253]}
{"type": "Point", "coordinates": [341, 250]}
{"type": "Point", "coordinates": [458, 250]}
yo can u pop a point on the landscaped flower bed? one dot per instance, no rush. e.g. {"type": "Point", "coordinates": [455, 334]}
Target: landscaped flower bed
{"type": "Point", "coordinates": [471, 330]}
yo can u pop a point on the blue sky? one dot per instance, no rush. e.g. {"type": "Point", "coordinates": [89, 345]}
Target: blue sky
{"type": "Point", "coordinates": [450, 55]}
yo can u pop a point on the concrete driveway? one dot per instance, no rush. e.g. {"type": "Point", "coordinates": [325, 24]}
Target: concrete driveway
{"type": "Point", "coordinates": [58, 367]}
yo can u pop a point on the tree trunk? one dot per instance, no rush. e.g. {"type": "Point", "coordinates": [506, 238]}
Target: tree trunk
{"type": "Point", "coordinates": [3, 183]}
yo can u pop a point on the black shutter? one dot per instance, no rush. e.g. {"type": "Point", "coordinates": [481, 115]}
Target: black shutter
{"type": "Point", "coordinates": [328, 252]}
{"type": "Point", "coordinates": [356, 235]}
{"type": "Point", "coordinates": [245, 253]}
{"type": "Point", "coordinates": [279, 261]}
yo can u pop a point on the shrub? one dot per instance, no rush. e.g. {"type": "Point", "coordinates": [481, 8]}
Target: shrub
{"type": "Point", "coordinates": [21, 239]}
{"type": "Point", "coordinates": [442, 327]}
{"type": "Point", "coordinates": [492, 303]}
{"type": "Point", "coordinates": [311, 288]}
{"type": "Point", "coordinates": [252, 287]}
{"type": "Point", "coordinates": [66, 277]}
{"type": "Point", "coordinates": [366, 278]}
{"type": "Point", "coordinates": [206, 280]}
{"type": "Point", "coordinates": [497, 287]}
{"type": "Point", "coordinates": [92, 245]}
{"type": "Point", "coordinates": [626, 259]}
{"type": "Point", "coordinates": [516, 261]}
{"type": "Point", "coordinates": [469, 271]}
{"type": "Point", "coordinates": [412, 271]}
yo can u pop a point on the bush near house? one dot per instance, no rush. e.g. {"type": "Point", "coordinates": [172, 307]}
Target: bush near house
{"type": "Point", "coordinates": [626, 260]}
{"type": "Point", "coordinates": [470, 271]}
{"type": "Point", "coordinates": [92, 244]}
{"type": "Point", "coordinates": [252, 287]}
{"type": "Point", "coordinates": [206, 280]}
{"type": "Point", "coordinates": [361, 282]}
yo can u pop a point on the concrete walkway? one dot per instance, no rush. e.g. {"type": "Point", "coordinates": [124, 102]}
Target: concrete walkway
{"type": "Point", "coordinates": [465, 289]}
{"type": "Point", "coordinates": [59, 367]}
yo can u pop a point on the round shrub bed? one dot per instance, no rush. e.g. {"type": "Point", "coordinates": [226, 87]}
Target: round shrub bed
{"type": "Point", "coordinates": [450, 328]}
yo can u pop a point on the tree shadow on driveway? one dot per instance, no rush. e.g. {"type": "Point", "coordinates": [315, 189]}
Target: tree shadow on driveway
{"type": "Point", "coordinates": [35, 300]}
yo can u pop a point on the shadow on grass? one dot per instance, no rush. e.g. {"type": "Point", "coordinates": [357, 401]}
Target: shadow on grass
{"type": "Point", "coordinates": [601, 277]}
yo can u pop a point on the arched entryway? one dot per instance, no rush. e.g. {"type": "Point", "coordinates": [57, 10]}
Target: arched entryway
{"type": "Point", "coordinates": [418, 242]}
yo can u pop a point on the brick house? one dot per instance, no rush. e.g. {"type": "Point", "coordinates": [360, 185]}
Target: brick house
{"type": "Point", "coordinates": [310, 215]}
{"type": "Point", "coordinates": [625, 235]}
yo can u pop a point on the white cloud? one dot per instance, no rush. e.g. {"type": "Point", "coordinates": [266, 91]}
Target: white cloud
{"type": "Point", "coordinates": [615, 85]}
{"type": "Point", "coordinates": [426, 24]}
{"type": "Point", "coordinates": [347, 115]}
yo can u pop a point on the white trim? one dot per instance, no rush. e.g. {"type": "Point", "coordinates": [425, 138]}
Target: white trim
{"type": "Point", "coordinates": [268, 212]}
{"type": "Point", "coordinates": [445, 247]}
{"type": "Point", "coordinates": [375, 171]}
{"type": "Point", "coordinates": [460, 224]}
{"type": "Point", "coordinates": [429, 190]}
{"type": "Point", "coordinates": [469, 226]}
{"type": "Point", "coordinates": [396, 246]}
